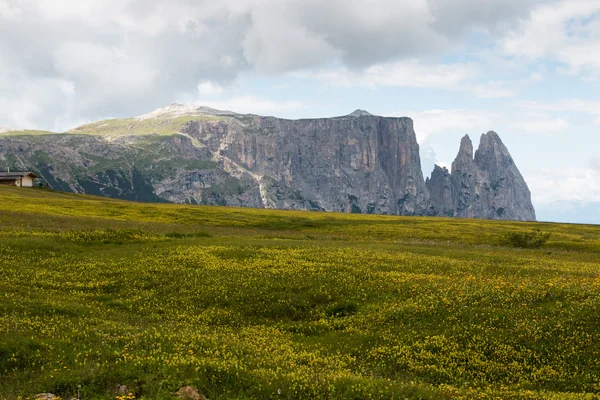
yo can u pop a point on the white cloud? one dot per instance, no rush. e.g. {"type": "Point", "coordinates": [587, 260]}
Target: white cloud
{"type": "Point", "coordinates": [536, 76]}
{"type": "Point", "coordinates": [490, 90]}
{"type": "Point", "coordinates": [597, 121]}
{"type": "Point", "coordinates": [403, 73]}
{"type": "Point", "coordinates": [103, 67]}
{"type": "Point", "coordinates": [564, 184]}
{"type": "Point", "coordinates": [24, 101]}
{"type": "Point", "coordinates": [208, 88]}
{"type": "Point", "coordinates": [537, 123]}
{"type": "Point", "coordinates": [412, 73]}
{"type": "Point", "coordinates": [569, 105]}
{"type": "Point", "coordinates": [471, 121]}
{"type": "Point", "coordinates": [448, 121]}
{"type": "Point", "coordinates": [18, 114]}
{"type": "Point", "coordinates": [565, 31]}
{"type": "Point", "coordinates": [127, 56]}
{"type": "Point", "coordinates": [429, 157]}
{"type": "Point", "coordinates": [436, 121]}
{"type": "Point", "coordinates": [8, 10]}
{"type": "Point", "coordinates": [252, 105]}
{"type": "Point", "coordinates": [281, 44]}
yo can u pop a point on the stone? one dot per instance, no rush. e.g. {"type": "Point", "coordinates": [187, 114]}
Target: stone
{"type": "Point", "coordinates": [360, 113]}
{"type": "Point", "coordinates": [441, 191]}
{"type": "Point", "coordinates": [463, 180]}
{"type": "Point", "coordinates": [122, 389]}
{"type": "Point", "coordinates": [486, 185]}
{"type": "Point", "coordinates": [504, 192]}
{"type": "Point", "coordinates": [45, 396]}
{"type": "Point", "coordinates": [189, 393]}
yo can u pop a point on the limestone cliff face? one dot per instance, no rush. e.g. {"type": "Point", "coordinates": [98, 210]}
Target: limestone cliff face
{"type": "Point", "coordinates": [488, 185]}
{"type": "Point", "coordinates": [358, 163]}
{"type": "Point", "coordinates": [441, 190]}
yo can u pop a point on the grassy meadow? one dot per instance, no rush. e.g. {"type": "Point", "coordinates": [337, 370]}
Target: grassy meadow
{"type": "Point", "coordinates": [259, 304]}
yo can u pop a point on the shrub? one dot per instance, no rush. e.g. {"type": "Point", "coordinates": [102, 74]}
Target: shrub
{"type": "Point", "coordinates": [343, 309]}
{"type": "Point", "coordinates": [527, 240]}
{"type": "Point", "coordinates": [179, 235]}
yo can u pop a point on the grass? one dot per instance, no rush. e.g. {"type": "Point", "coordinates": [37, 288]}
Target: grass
{"type": "Point", "coordinates": [123, 127]}
{"type": "Point", "coordinates": [27, 133]}
{"type": "Point", "coordinates": [132, 126]}
{"type": "Point", "coordinates": [252, 304]}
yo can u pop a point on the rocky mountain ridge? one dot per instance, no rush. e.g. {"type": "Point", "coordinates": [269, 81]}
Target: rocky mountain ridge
{"type": "Point", "coordinates": [485, 185]}
{"type": "Point", "coordinates": [358, 163]}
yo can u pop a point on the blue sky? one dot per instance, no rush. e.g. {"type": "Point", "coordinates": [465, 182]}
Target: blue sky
{"type": "Point", "coordinates": [529, 70]}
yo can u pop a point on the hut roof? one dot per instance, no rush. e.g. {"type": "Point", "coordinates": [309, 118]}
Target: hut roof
{"type": "Point", "coordinates": [5, 176]}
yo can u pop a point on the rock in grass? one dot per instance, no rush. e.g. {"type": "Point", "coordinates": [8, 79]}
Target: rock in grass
{"type": "Point", "coordinates": [121, 389]}
{"type": "Point", "coordinates": [189, 393]}
{"type": "Point", "coordinates": [45, 396]}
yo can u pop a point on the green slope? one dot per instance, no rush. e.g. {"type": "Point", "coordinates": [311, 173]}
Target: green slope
{"type": "Point", "coordinates": [246, 303]}
{"type": "Point", "coordinates": [164, 126]}
{"type": "Point", "coordinates": [132, 126]}
{"type": "Point", "coordinates": [26, 133]}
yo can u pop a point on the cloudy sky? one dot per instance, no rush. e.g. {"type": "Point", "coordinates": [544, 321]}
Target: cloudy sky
{"type": "Point", "coordinates": [528, 69]}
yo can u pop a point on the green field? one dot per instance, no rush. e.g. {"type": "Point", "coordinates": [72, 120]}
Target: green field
{"type": "Point", "coordinates": [255, 304]}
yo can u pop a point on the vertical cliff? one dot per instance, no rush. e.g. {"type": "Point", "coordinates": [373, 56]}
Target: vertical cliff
{"type": "Point", "coordinates": [485, 185]}
{"type": "Point", "coordinates": [442, 193]}
{"type": "Point", "coordinates": [357, 163]}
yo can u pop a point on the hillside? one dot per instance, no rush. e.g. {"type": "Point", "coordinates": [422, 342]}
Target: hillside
{"type": "Point", "coordinates": [246, 303]}
{"type": "Point", "coordinates": [357, 163]}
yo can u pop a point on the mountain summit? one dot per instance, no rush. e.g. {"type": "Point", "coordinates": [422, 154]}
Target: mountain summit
{"type": "Point", "coordinates": [488, 185]}
{"type": "Point", "coordinates": [360, 163]}
{"type": "Point", "coordinates": [360, 113]}
{"type": "Point", "coordinates": [182, 110]}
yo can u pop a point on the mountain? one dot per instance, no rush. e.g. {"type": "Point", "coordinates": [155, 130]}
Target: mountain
{"type": "Point", "coordinates": [488, 185]}
{"type": "Point", "coordinates": [358, 163]}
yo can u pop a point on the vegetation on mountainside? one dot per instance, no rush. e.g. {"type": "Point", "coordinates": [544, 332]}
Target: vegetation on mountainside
{"type": "Point", "coordinates": [27, 133]}
{"type": "Point", "coordinates": [246, 303]}
{"type": "Point", "coordinates": [133, 126]}
{"type": "Point", "coordinates": [164, 126]}
{"type": "Point", "coordinates": [128, 173]}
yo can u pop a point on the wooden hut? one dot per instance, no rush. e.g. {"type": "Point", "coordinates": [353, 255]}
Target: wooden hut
{"type": "Point", "coordinates": [20, 179]}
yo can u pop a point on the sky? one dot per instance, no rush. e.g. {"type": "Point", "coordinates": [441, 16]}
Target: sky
{"type": "Point", "coordinates": [527, 69]}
